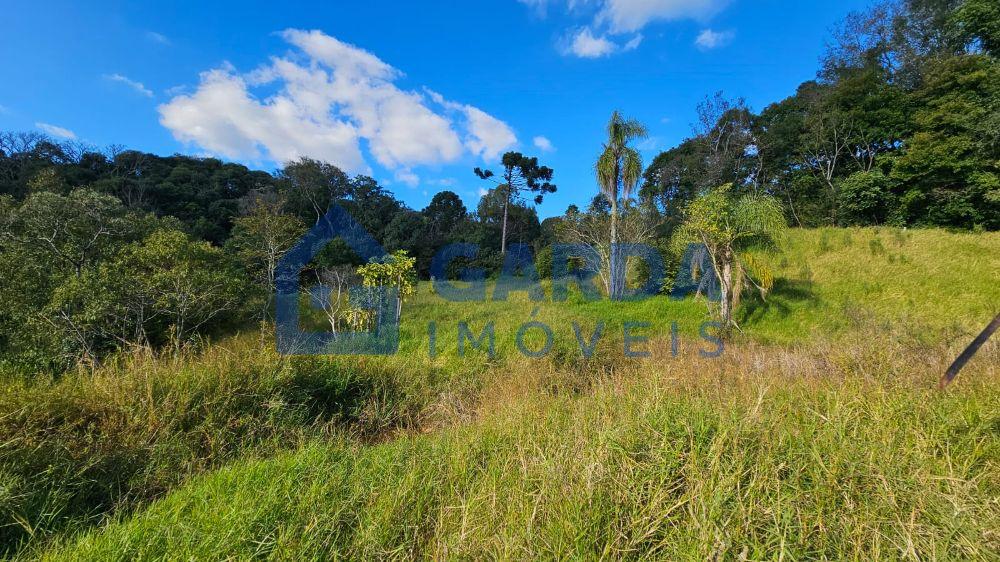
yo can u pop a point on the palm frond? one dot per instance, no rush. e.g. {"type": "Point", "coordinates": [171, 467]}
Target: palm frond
{"type": "Point", "coordinates": [633, 129]}
{"type": "Point", "coordinates": [759, 218]}
{"type": "Point", "coordinates": [758, 271]}
{"type": "Point", "coordinates": [631, 170]}
{"type": "Point", "coordinates": [607, 177]}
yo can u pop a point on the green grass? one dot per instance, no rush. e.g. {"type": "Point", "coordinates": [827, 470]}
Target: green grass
{"type": "Point", "coordinates": [643, 466]}
{"type": "Point", "coordinates": [816, 435]}
{"type": "Point", "coordinates": [941, 284]}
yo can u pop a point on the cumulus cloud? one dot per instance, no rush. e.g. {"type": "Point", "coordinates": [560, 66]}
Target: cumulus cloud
{"type": "Point", "coordinates": [611, 18]}
{"type": "Point", "coordinates": [585, 44]}
{"type": "Point", "coordinates": [486, 135]}
{"type": "Point", "coordinates": [137, 86]}
{"type": "Point", "coordinates": [328, 97]}
{"type": "Point", "coordinates": [623, 16]}
{"type": "Point", "coordinates": [407, 177]}
{"type": "Point", "coordinates": [543, 144]}
{"type": "Point", "coordinates": [55, 131]}
{"type": "Point", "coordinates": [708, 39]}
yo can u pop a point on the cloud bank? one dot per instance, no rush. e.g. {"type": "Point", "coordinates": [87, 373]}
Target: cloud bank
{"type": "Point", "coordinates": [325, 99]}
{"type": "Point", "coordinates": [623, 17]}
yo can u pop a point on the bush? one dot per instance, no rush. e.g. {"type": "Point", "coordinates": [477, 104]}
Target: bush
{"type": "Point", "coordinates": [866, 198]}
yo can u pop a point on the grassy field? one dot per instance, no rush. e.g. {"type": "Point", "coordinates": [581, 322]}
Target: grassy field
{"type": "Point", "coordinates": [817, 433]}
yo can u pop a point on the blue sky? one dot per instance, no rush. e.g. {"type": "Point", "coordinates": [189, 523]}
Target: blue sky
{"type": "Point", "coordinates": [415, 94]}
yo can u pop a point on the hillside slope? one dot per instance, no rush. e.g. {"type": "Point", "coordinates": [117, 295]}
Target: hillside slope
{"type": "Point", "coordinates": [817, 434]}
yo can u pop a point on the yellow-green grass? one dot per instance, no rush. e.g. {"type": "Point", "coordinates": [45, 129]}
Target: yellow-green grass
{"type": "Point", "coordinates": [821, 453]}
{"type": "Point", "coordinates": [864, 317]}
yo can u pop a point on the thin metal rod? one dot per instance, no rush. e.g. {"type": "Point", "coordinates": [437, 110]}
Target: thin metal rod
{"type": "Point", "coordinates": [952, 371]}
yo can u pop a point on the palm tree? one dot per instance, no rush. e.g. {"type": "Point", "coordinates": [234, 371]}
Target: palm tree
{"type": "Point", "coordinates": [618, 171]}
{"type": "Point", "coordinates": [734, 230]}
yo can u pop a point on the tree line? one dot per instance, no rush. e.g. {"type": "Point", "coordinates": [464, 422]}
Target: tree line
{"type": "Point", "coordinates": [900, 127]}
{"type": "Point", "coordinates": [109, 249]}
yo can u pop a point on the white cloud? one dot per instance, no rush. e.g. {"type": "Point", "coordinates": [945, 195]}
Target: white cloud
{"type": "Point", "coordinates": [709, 39]}
{"type": "Point", "coordinates": [483, 192]}
{"type": "Point", "coordinates": [324, 106]}
{"type": "Point", "coordinates": [4, 110]}
{"type": "Point", "coordinates": [408, 177]}
{"type": "Point", "coordinates": [56, 131]}
{"type": "Point", "coordinates": [135, 85]}
{"type": "Point", "coordinates": [623, 16]}
{"type": "Point", "coordinates": [543, 144]}
{"type": "Point", "coordinates": [486, 135]}
{"type": "Point", "coordinates": [225, 119]}
{"type": "Point", "coordinates": [613, 18]}
{"type": "Point", "coordinates": [585, 45]}
{"type": "Point", "coordinates": [633, 43]}
{"type": "Point", "coordinates": [157, 38]}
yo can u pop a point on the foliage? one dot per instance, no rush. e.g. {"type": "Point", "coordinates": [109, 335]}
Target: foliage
{"type": "Point", "coordinates": [867, 198]}
{"type": "Point", "coordinates": [112, 440]}
{"type": "Point", "coordinates": [908, 89]}
{"type": "Point", "coordinates": [618, 170]}
{"type": "Point", "coordinates": [731, 228]}
{"type": "Point", "coordinates": [165, 289]}
{"type": "Point", "coordinates": [396, 272]}
{"type": "Point", "coordinates": [521, 174]}
{"type": "Point", "coordinates": [261, 237]}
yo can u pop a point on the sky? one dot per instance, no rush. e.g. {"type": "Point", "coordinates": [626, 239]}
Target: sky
{"type": "Point", "coordinates": [414, 94]}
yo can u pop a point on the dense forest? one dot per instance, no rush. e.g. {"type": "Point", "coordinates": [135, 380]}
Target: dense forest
{"type": "Point", "coordinates": [901, 127]}
{"type": "Point", "coordinates": [108, 249]}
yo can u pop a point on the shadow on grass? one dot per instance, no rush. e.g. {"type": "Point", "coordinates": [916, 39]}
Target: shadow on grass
{"type": "Point", "coordinates": [786, 295]}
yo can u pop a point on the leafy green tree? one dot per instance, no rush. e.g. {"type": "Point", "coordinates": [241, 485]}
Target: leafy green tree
{"type": "Point", "coordinates": [522, 221]}
{"type": "Point", "coordinates": [263, 236]}
{"type": "Point", "coordinates": [166, 289]}
{"type": "Point", "coordinates": [867, 198]}
{"type": "Point", "coordinates": [674, 178]}
{"type": "Point", "coordinates": [979, 21]}
{"type": "Point", "coordinates": [48, 179]}
{"type": "Point", "coordinates": [310, 186]}
{"type": "Point", "coordinates": [396, 271]}
{"type": "Point", "coordinates": [732, 228]}
{"type": "Point", "coordinates": [445, 214]}
{"type": "Point", "coordinates": [521, 174]}
{"type": "Point", "coordinates": [70, 232]}
{"type": "Point", "coordinates": [619, 169]}
{"type": "Point", "coordinates": [191, 284]}
{"type": "Point", "coordinates": [949, 168]}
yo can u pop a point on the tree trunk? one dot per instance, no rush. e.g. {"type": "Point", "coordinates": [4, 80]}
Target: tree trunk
{"type": "Point", "coordinates": [615, 289]}
{"type": "Point", "coordinates": [726, 288]}
{"type": "Point", "coordinates": [503, 233]}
